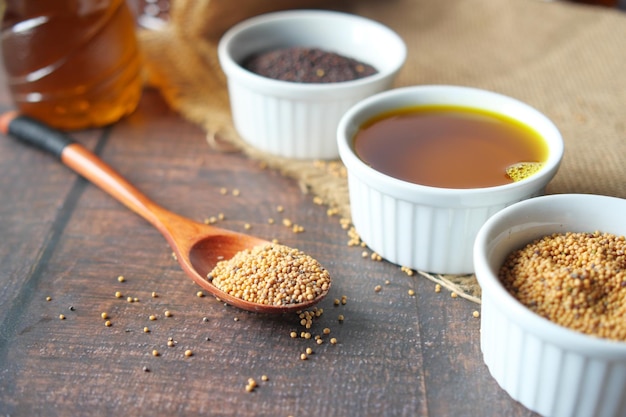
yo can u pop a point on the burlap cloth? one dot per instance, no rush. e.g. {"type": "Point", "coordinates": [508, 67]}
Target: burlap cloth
{"type": "Point", "coordinates": [567, 60]}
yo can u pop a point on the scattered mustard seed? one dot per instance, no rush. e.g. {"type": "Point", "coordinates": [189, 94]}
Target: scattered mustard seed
{"type": "Point", "coordinates": [62, 316]}
{"type": "Point", "coordinates": [437, 288]}
{"type": "Point", "coordinates": [121, 278]}
{"type": "Point", "coordinates": [108, 323]}
{"type": "Point", "coordinates": [200, 294]}
{"type": "Point", "coordinates": [104, 315]}
{"type": "Point", "coordinates": [303, 356]}
{"type": "Point", "coordinates": [293, 335]}
{"type": "Point", "coordinates": [476, 314]}
{"type": "Point", "coordinates": [154, 294]}
{"type": "Point", "coordinates": [146, 330]}
{"type": "Point", "coordinates": [326, 330]}
{"type": "Point", "coordinates": [411, 293]}
{"type": "Point", "coordinates": [118, 294]}
{"type": "Point", "coordinates": [167, 313]}
{"type": "Point", "coordinates": [48, 298]}
{"type": "Point", "coordinates": [378, 288]}
{"type": "Point", "coordinates": [333, 341]}
{"type": "Point", "coordinates": [264, 378]}
{"type": "Point", "coordinates": [188, 353]}
{"type": "Point", "coordinates": [152, 317]}
{"type": "Point", "coordinates": [309, 351]}
{"type": "Point", "coordinates": [155, 352]}
{"type": "Point", "coordinates": [341, 318]}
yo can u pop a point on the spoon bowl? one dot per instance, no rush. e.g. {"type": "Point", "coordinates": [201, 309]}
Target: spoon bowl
{"type": "Point", "coordinates": [198, 247]}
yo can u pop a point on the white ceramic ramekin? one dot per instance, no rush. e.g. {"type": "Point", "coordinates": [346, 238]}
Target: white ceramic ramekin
{"type": "Point", "coordinates": [428, 228]}
{"type": "Point", "coordinates": [298, 120]}
{"type": "Point", "coordinates": [550, 369]}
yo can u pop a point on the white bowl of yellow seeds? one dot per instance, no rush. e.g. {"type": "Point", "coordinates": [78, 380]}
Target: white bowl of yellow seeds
{"type": "Point", "coordinates": [553, 323]}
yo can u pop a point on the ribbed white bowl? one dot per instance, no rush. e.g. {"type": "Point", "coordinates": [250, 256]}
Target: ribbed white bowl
{"type": "Point", "coordinates": [428, 228]}
{"type": "Point", "coordinates": [298, 120]}
{"type": "Point", "coordinates": [550, 369]}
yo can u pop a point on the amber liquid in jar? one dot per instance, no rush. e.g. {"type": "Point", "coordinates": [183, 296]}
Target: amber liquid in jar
{"type": "Point", "coordinates": [72, 63]}
{"type": "Point", "coordinates": [448, 146]}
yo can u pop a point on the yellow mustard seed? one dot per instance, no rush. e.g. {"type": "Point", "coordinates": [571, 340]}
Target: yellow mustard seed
{"type": "Point", "coordinates": [476, 314]}
{"type": "Point", "coordinates": [171, 343]}
{"type": "Point", "coordinates": [319, 341]}
{"type": "Point", "coordinates": [437, 288]}
{"type": "Point", "coordinates": [121, 278]}
{"type": "Point", "coordinates": [129, 299]}
{"type": "Point", "coordinates": [200, 294]}
{"type": "Point", "coordinates": [411, 293]}
{"type": "Point", "coordinates": [378, 288]}
{"type": "Point", "coordinates": [453, 295]}
{"type": "Point", "coordinates": [135, 300]}
{"type": "Point", "coordinates": [340, 317]}
{"type": "Point", "coordinates": [577, 280]}
{"type": "Point", "coordinates": [108, 323]}
{"type": "Point", "coordinates": [104, 315]}
{"type": "Point", "coordinates": [167, 313]}
{"type": "Point", "coordinates": [152, 317]}
{"type": "Point", "coordinates": [154, 294]}
{"type": "Point", "coordinates": [293, 335]}
{"type": "Point", "coordinates": [146, 330]}
{"type": "Point", "coordinates": [280, 209]}
{"type": "Point", "coordinates": [309, 351]}
{"type": "Point", "coordinates": [118, 294]}
{"type": "Point", "coordinates": [48, 298]}
{"type": "Point", "coordinates": [333, 341]}
{"type": "Point", "coordinates": [236, 192]}
{"type": "Point", "coordinates": [155, 352]}
{"type": "Point", "coordinates": [326, 330]}
{"type": "Point", "coordinates": [62, 316]}
{"type": "Point", "coordinates": [188, 353]}
{"type": "Point", "coordinates": [272, 275]}
{"type": "Point", "coordinates": [303, 356]}
{"type": "Point", "coordinates": [247, 226]}
{"type": "Point", "coordinates": [264, 378]}
{"type": "Point", "coordinates": [223, 191]}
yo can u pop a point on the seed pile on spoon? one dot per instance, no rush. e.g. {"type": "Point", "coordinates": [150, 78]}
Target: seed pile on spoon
{"type": "Point", "coordinates": [272, 275]}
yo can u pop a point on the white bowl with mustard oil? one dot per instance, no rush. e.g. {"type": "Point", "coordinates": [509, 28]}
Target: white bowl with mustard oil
{"type": "Point", "coordinates": [550, 369]}
{"type": "Point", "coordinates": [299, 120]}
{"type": "Point", "coordinates": [431, 228]}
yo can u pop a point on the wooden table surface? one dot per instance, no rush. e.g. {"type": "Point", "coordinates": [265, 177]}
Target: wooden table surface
{"type": "Point", "coordinates": [63, 238]}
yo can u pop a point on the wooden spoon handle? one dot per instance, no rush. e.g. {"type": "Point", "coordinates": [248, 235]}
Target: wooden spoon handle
{"type": "Point", "coordinates": [82, 161]}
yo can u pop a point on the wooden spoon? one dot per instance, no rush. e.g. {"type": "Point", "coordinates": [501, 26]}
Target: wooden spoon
{"type": "Point", "coordinates": [198, 247]}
